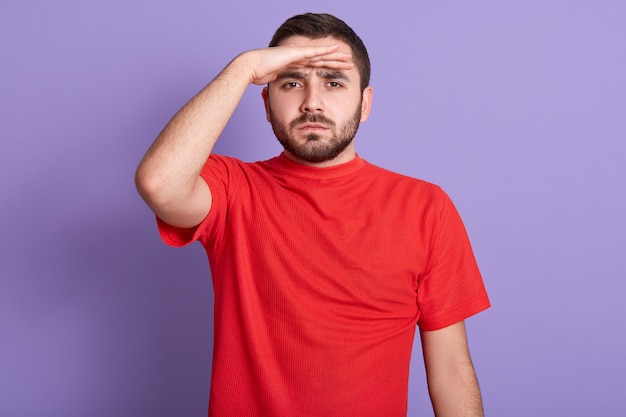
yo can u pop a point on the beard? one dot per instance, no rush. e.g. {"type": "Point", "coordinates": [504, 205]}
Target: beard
{"type": "Point", "coordinates": [315, 149]}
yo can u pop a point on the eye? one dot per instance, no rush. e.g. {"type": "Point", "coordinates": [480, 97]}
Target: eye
{"type": "Point", "coordinates": [334, 84]}
{"type": "Point", "coordinates": [291, 84]}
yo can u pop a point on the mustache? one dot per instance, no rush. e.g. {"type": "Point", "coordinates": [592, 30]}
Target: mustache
{"type": "Point", "coordinates": [312, 118]}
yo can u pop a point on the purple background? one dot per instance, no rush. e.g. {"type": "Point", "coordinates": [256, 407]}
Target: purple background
{"type": "Point", "coordinates": [518, 109]}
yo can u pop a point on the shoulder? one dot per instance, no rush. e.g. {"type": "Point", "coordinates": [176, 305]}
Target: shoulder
{"type": "Point", "coordinates": [398, 181]}
{"type": "Point", "coordinates": [216, 160]}
{"type": "Point", "coordinates": [231, 165]}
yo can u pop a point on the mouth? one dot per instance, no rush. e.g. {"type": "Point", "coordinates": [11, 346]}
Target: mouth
{"type": "Point", "coordinates": [314, 123]}
{"type": "Point", "coordinates": [311, 127]}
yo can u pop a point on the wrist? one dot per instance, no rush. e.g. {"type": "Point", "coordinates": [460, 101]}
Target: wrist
{"type": "Point", "coordinates": [241, 67]}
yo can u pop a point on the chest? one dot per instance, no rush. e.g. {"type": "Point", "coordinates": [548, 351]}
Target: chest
{"type": "Point", "coordinates": [354, 246]}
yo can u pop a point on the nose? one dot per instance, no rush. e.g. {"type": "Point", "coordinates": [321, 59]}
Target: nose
{"type": "Point", "coordinates": [312, 100]}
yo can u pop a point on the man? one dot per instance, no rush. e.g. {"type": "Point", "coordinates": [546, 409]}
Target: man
{"type": "Point", "coordinates": [322, 263]}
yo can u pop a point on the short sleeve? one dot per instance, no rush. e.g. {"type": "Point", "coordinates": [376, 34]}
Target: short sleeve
{"type": "Point", "coordinates": [216, 172]}
{"type": "Point", "coordinates": [451, 287]}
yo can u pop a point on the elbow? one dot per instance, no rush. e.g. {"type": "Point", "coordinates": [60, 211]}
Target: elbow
{"type": "Point", "coordinates": [176, 202]}
{"type": "Point", "coordinates": [142, 182]}
{"type": "Point", "coordinates": [149, 186]}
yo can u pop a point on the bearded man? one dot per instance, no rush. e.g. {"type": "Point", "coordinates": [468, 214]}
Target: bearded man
{"type": "Point", "coordinates": [322, 263]}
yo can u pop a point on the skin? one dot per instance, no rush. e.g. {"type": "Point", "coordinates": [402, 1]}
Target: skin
{"type": "Point", "coordinates": [313, 100]}
{"type": "Point", "coordinates": [452, 382]}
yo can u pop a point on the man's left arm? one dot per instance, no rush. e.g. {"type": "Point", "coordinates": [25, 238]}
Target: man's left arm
{"type": "Point", "coordinates": [452, 381]}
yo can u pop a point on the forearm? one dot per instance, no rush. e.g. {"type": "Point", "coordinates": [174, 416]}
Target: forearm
{"type": "Point", "coordinates": [454, 392]}
{"type": "Point", "coordinates": [171, 167]}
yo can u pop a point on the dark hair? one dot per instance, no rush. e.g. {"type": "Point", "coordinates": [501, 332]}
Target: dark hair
{"type": "Point", "coordinates": [320, 25]}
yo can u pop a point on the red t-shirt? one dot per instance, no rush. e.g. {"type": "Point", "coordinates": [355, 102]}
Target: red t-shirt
{"type": "Point", "coordinates": [320, 276]}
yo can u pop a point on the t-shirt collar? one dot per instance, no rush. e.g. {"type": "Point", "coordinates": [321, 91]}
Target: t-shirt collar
{"type": "Point", "coordinates": [286, 166]}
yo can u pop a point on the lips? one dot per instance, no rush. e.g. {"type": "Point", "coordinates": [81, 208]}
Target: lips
{"type": "Point", "coordinates": [311, 126]}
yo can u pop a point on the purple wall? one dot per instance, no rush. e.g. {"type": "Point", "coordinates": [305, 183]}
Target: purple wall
{"type": "Point", "coordinates": [518, 111]}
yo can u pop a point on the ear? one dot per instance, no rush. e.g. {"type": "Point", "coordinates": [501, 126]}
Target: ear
{"type": "Point", "coordinates": [266, 100]}
{"type": "Point", "coordinates": [366, 103]}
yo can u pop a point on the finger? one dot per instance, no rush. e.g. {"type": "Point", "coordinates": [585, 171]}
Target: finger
{"type": "Point", "coordinates": [333, 59]}
{"type": "Point", "coordinates": [332, 65]}
{"type": "Point", "coordinates": [335, 56]}
{"type": "Point", "coordinates": [343, 61]}
{"type": "Point", "coordinates": [312, 51]}
{"type": "Point", "coordinates": [316, 53]}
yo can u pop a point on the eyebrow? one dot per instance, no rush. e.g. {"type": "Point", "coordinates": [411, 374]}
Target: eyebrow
{"type": "Point", "coordinates": [333, 75]}
{"type": "Point", "coordinates": [328, 75]}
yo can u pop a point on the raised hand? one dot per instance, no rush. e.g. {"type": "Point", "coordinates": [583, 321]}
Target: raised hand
{"type": "Point", "coordinates": [266, 64]}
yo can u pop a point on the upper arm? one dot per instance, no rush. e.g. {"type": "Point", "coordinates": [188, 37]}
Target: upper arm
{"type": "Point", "coordinates": [184, 211]}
